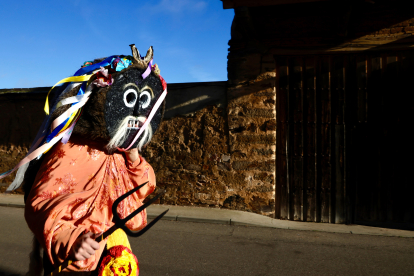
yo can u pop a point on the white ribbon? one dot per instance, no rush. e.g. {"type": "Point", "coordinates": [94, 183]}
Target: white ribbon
{"type": "Point", "coordinates": [35, 153]}
{"type": "Point", "coordinates": [67, 113]}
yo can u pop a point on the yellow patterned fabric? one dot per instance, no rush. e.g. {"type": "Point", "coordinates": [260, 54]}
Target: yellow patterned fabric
{"type": "Point", "coordinates": [119, 259]}
{"type": "Point", "coordinates": [117, 238]}
{"type": "Point", "coordinates": [119, 262]}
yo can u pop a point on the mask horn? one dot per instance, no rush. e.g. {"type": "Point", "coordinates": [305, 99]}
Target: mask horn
{"type": "Point", "coordinates": [136, 57]}
{"type": "Point", "coordinates": [149, 55]}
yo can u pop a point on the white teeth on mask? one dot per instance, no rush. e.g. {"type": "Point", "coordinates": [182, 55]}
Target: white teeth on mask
{"type": "Point", "coordinates": [133, 124]}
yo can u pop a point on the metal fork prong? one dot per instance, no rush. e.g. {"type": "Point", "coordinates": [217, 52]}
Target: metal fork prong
{"type": "Point", "coordinates": [130, 216]}
{"type": "Point", "coordinates": [122, 197]}
{"type": "Point", "coordinates": [120, 223]}
{"type": "Point", "coordinates": [146, 228]}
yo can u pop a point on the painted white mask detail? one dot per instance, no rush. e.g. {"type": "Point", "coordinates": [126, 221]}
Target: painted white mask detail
{"type": "Point", "coordinates": [145, 99]}
{"type": "Point", "coordinates": [130, 97]}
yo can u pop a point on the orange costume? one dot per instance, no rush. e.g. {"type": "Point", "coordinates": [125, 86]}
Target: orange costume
{"type": "Point", "coordinates": [73, 194]}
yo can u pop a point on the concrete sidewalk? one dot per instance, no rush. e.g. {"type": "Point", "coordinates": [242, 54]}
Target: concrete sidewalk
{"type": "Point", "coordinates": [232, 217]}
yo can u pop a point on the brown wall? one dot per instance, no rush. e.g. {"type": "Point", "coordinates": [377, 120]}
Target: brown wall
{"type": "Point", "coordinates": [190, 153]}
{"type": "Point", "coordinates": [21, 116]}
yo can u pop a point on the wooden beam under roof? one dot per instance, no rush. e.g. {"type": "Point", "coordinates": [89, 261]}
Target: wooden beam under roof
{"type": "Point", "coordinates": [231, 4]}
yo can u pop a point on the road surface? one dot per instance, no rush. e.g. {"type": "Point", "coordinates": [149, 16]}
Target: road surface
{"type": "Point", "coordinates": [188, 248]}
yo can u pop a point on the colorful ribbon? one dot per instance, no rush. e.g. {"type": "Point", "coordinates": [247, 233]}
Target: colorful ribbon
{"type": "Point", "coordinates": [148, 71]}
{"type": "Point", "coordinates": [69, 79]}
{"type": "Point", "coordinates": [45, 147]}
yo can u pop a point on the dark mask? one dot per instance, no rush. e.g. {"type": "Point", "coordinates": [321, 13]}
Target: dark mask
{"type": "Point", "coordinates": [128, 104]}
{"type": "Point", "coordinates": [114, 114]}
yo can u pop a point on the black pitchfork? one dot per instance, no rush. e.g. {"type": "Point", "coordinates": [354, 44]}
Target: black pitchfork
{"type": "Point", "coordinates": [120, 223]}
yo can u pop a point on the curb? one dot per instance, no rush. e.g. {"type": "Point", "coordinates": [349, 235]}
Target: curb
{"type": "Point", "coordinates": [11, 205]}
{"type": "Point", "coordinates": [240, 218]}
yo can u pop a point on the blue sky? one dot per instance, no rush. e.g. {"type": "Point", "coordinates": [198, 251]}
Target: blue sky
{"type": "Point", "coordinates": [43, 42]}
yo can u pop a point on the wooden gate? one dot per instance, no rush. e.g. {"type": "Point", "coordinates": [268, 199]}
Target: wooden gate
{"type": "Point", "coordinates": [343, 144]}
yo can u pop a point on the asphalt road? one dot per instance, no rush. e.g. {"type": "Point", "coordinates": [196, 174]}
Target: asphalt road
{"type": "Point", "coordinates": [187, 248]}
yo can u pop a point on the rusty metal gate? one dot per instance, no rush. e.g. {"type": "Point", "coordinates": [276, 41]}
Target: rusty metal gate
{"type": "Point", "coordinates": [343, 138]}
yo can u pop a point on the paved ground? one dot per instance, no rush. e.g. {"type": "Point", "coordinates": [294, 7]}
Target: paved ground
{"type": "Point", "coordinates": [189, 248]}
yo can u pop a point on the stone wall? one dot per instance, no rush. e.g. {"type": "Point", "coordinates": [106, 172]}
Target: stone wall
{"type": "Point", "coordinates": [197, 159]}
{"type": "Point", "coordinates": [21, 116]}
{"type": "Point", "coordinates": [251, 115]}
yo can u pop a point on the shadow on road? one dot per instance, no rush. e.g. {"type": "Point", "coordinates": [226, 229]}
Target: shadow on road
{"type": "Point", "coordinates": [5, 272]}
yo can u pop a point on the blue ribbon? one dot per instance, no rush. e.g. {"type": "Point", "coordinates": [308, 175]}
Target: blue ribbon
{"type": "Point", "coordinates": [93, 67]}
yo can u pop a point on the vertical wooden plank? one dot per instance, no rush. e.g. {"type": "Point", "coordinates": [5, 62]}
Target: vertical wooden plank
{"type": "Point", "coordinates": [312, 134]}
{"type": "Point", "coordinates": [296, 111]}
{"type": "Point", "coordinates": [309, 134]}
{"type": "Point", "coordinates": [281, 137]}
{"type": "Point", "coordinates": [279, 144]}
{"type": "Point", "coordinates": [372, 139]}
{"type": "Point", "coordinates": [338, 80]}
{"type": "Point", "coordinates": [290, 139]}
{"type": "Point", "coordinates": [304, 139]}
{"type": "Point", "coordinates": [325, 142]}
{"type": "Point", "coordinates": [360, 137]}
{"type": "Point", "coordinates": [333, 88]}
{"type": "Point", "coordinates": [318, 139]}
{"type": "Point", "coordinates": [352, 79]}
{"type": "Point", "coordinates": [347, 63]}
{"type": "Point", "coordinates": [309, 119]}
{"type": "Point", "coordinates": [363, 153]}
{"type": "Point", "coordinates": [380, 126]}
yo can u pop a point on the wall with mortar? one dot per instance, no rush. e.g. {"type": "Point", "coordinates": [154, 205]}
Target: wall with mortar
{"type": "Point", "coordinates": [251, 115]}
{"type": "Point", "coordinates": [189, 152]}
{"type": "Point", "coordinates": [196, 159]}
{"type": "Point", "coordinates": [21, 115]}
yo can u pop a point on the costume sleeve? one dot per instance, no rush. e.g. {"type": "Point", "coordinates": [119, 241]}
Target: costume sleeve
{"type": "Point", "coordinates": [56, 235]}
{"type": "Point", "coordinates": [63, 240]}
{"type": "Point", "coordinates": [59, 206]}
{"type": "Point", "coordinates": [140, 172]}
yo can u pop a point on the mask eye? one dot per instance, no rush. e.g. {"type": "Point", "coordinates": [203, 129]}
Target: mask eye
{"type": "Point", "coordinates": [145, 99]}
{"type": "Point", "coordinates": [130, 97]}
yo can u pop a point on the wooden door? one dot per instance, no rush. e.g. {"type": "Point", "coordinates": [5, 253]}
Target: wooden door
{"type": "Point", "coordinates": [342, 137]}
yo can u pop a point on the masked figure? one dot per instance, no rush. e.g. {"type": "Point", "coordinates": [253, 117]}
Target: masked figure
{"type": "Point", "coordinates": [103, 114]}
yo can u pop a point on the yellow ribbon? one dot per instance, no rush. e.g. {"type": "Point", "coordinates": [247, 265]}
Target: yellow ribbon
{"type": "Point", "coordinates": [72, 117]}
{"type": "Point", "coordinates": [69, 79]}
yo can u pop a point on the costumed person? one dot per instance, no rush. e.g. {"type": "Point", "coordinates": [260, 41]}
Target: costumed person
{"type": "Point", "coordinates": [110, 110]}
